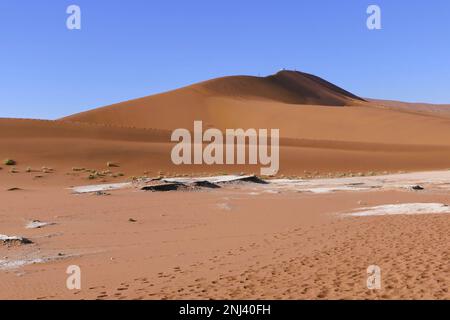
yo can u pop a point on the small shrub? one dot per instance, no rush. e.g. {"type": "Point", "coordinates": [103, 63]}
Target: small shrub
{"type": "Point", "coordinates": [46, 170]}
{"type": "Point", "coordinates": [9, 162]}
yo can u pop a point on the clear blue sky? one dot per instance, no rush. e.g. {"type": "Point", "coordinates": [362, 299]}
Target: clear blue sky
{"type": "Point", "coordinates": [132, 48]}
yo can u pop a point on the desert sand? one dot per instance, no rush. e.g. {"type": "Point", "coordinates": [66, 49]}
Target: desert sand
{"type": "Point", "coordinates": [298, 237]}
{"type": "Point", "coordinates": [244, 241]}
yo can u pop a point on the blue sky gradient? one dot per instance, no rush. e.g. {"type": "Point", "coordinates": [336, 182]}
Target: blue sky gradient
{"type": "Point", "coordinates": [134, 48]}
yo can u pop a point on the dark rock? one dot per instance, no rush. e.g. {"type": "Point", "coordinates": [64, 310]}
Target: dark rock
{"type": "Point", "coordinates": [205, 184]}
{"type": "Point", "coordinates": [163, 187]}
{"type": "Point", "coordinates": [14, 240]}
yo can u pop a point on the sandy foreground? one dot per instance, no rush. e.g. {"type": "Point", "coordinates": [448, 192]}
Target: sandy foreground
{"type": "Point", "coordinates": [285, 240]}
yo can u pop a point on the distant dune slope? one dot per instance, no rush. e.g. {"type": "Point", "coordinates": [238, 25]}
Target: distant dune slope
{"type": "Point", "coordinates": [442, 110]}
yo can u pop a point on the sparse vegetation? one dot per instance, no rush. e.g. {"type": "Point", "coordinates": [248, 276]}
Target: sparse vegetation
{"type": "Point", "coordinates": [46, 170]}
{"type": "Point", "coordinates": [116, 175]}
{"type": "Point", "coordinates": [9, 162]}
{"type": "Point", "coordinates": [95, 174]}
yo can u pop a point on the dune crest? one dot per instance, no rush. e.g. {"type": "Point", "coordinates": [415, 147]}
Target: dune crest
{"type": "Point", "coordinates": [292, 87]}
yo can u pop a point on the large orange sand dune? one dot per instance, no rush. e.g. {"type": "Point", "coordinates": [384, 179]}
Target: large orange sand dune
{"type": "Point", "coordinates": [323, 128]}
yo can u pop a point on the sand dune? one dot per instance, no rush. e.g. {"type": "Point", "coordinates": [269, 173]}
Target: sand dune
{"type": "Point", "coordinates": [220, 101]}
{"type": "Point", "coordinates": [323, 129]}
{"type": "Point", "coordinates": [301, 106]}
